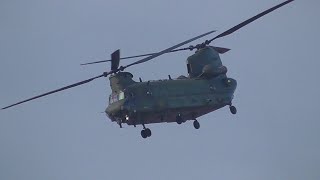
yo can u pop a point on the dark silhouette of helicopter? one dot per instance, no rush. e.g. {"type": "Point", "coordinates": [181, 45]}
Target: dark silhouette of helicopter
{"type": "Point", "coordinates": [206, 89]}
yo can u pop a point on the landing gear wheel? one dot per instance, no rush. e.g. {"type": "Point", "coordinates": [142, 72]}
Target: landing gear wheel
{"type": "Point", "coordinates": [148, 132]}
{"type": "Point", "coordinates": [144, 133]}
{"type": "Point", "coordinates": [179, 119]}
{"type": "Point", "coordinates": [233, 110]}
{"type": "Point", "coordinates": [196, 124]}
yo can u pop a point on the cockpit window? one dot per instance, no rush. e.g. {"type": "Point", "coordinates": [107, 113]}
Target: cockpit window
{"type": "Point", "coordinates": [116, 97]}
{"type": "Point", "coordinates": [121, 95]}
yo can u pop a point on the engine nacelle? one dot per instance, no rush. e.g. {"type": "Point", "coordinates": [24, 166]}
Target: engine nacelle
{"type": "Point", "coordinates": [210, 71]}
{"type": "Point", "coordinates": [205, 61]}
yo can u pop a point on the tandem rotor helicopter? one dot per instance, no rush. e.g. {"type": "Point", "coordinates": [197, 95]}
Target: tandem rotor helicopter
{"type": "Point", "coordinates": [206, 89]}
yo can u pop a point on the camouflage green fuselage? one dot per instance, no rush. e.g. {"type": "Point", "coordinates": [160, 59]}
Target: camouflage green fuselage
{"type": "Point", "coordinates": [206, 89]}
{"type": "Point", "coordinates": [162, 101]}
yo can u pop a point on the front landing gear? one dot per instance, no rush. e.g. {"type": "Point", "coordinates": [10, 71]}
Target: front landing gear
{"type": "Point", "coordinates": [233, 109]}
{"type": "Point", "coordinates": [145, 132]}
{"type": "Point", "coordinates": [196, 124]}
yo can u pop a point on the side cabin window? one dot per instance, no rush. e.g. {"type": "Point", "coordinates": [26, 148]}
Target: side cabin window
{"type": "Point", "coordinates": [114, 97]}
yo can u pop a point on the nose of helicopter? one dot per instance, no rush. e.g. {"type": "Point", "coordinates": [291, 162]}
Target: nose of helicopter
{"type": "Point", "coordinates": [118, 109]}
{"type": "Point", "coordinates": [114, 110]}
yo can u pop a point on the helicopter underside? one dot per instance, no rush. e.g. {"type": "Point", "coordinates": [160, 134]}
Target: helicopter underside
{"type": "Point", "coordinates": [172, 115]}
{"type": "Point", "coordinates": [176, 114]}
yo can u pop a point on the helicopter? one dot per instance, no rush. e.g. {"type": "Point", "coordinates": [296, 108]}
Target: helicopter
{"type": "Point", "coordinates": [186, 98]}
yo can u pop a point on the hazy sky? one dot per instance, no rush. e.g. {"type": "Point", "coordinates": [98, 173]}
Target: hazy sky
{"type": "Point", "coordinates": [275, 134]}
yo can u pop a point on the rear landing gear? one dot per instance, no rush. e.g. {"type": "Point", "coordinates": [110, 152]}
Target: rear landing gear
{"type": "Point", "coordinates": [233, 109]}
{"type": "Point", "coordinates": [196, 124]}
{"type": "Point", "coordinates": [179, 119]}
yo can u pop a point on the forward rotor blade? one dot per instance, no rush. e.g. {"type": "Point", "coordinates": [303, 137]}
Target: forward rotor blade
{"type": "Point", "coordinates": [167, 50]}
{"type": "Point", "coordinates": [105, 74]}
{"type": "Point", "coordinates": [130, 57]}
{"type": "Point", "coordinates": [235, 28]}
{"type": "Point", "coordinates": [115, 59]}
{"type": "Point", "coordinates": [61, 89]}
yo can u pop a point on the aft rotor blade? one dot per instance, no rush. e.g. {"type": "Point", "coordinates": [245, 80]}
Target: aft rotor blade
{"type": "Point", "coordinates": [221, 50]}
{"type": "Point", "coordinates": [167, 50]}
{"type": "Point", "coordinates": [235, 28]}
{"type": "Point", "coordinates": [57, 90]}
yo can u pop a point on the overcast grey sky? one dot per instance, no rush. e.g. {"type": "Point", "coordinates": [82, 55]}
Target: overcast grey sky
{"type": "Point", "coordinates": [275, 134]}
